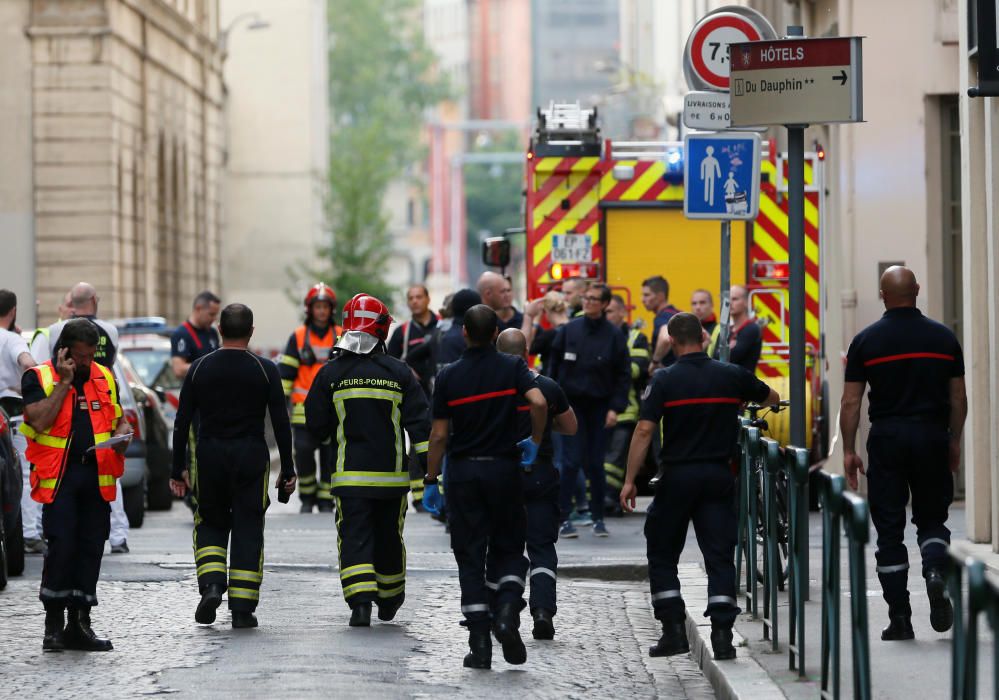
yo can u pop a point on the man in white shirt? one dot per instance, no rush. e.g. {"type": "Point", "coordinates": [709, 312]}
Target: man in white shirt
{"type": "Point", "coordinates": [15, 359]}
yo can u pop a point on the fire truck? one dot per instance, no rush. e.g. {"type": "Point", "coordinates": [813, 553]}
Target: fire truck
{"type": "Point", "coordinates": [612, 211]}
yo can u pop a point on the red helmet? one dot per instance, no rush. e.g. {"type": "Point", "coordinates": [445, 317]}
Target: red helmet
{"type": "Point", "coordinates": [320, 292]}
{"type": "Point", "coordinates": [366, 314]}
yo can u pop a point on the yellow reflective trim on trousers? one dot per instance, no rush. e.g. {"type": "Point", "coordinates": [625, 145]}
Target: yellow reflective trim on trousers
{"type": "Point", "coordinates": [639, 352]}
{"type": "Point", "coordinates": [211, 568]}
{"type": "Point", "coordinates": [391, 592]}
{"type": "Point", "coordinates": [209, 551]}
{"type": "Point", "coordinates": [290, 361]}
{"type": "Point", "coordinates": [359, 588]}
{"type": "Point", "coordinates": [356, 570]}
{"type": "Point", "coordinates": [387, 580]}
{"type": "Point", "coordinates": [286, 385]}
{"type": "Point", "coordinates": [421, 447]}
{"type": "Point", "coordinates": [416, 484]}
{"type": "Point", "coordinates": [371, 479]}
{"type": "Point", "coordinates": [306, 479]}
{"type": "Point", "coordinates": [244, 575]}
{"type": "Point", "coordinates": [244, 593]}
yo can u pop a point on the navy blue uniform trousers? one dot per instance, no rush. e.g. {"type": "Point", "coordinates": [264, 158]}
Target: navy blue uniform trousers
{"type": "Point", "coordinates": [703, 493]}
{"type": "Point", "coordinates": [908, 457]}
{"type": "Point", "coordinates": [488, 529]}
{"type": "Point", "coordinates": [541, 489]}
{"type": "Point", "coordinates": [585, 451]}
{"type": "Point", "coordinates": [76, 524]}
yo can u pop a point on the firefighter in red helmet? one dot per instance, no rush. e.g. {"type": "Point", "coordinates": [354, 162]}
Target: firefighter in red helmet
{"type": "Point", "coordinates": [363, 400]}
{"type": "Point", "coordinates": [307, 351]}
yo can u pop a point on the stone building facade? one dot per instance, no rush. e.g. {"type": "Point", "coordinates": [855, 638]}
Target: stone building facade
{"type": "Point", "coordinates": [112, 118]}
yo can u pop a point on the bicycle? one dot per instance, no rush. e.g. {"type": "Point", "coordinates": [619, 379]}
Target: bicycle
{"type": "Point", "coordinates": [781, 497]}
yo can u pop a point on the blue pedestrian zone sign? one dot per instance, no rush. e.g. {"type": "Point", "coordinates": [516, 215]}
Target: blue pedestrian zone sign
{"type": "Point", "coordinates": [722, 176]}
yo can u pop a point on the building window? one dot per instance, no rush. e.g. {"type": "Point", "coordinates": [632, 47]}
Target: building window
{"type": "Point", "coordinates": [950, 171]}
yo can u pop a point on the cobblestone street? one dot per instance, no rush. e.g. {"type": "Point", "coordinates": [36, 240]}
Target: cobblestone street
{"type": "Point", "coordinates": [304, 646]}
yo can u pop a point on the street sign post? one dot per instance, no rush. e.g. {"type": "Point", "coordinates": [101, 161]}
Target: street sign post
{"type": "Point", "coordinates": [722, 182]}
{"type": "Point", "coordinates": [706, 55]}
{"type": "Point", "coordinates": [721, 176]}
{"type": "Point", "coordinates": [797, 81]}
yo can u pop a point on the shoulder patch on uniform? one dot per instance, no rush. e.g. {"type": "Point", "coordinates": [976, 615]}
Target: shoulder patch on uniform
{"type": "Point", "coordinates": [181, 345]}
{"type": "Point", "coordinates": [647, 393]}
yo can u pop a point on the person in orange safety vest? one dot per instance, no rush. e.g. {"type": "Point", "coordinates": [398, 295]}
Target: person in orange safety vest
{"type": "Point", "coordinates": [71, 411]}
{"type": "Point", "coordinates": [307, 351]}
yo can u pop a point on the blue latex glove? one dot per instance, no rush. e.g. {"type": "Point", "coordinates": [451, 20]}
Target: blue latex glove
{"type": "Point", "coordinates": [432, 499]}
{"type": "Point", "coordinates": [528, 452]}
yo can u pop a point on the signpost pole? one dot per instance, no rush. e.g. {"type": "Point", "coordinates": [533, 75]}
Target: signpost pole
{"type": "Point", "coordinates": [726, 265]}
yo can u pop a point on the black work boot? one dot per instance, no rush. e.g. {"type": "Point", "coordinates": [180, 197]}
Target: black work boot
{"type": "Point", "coordinates": [941, 610]}
{"type": "Point", "coordinates": [79, 635]}
{"type": "Point", "coordinates": [544, 627]}
{"type": "Point", "coordinates": [360, 615]}
{"type": "Point", "coordinates": [211, 599]}
{"type": "Point", "coordinates": [673, 641]}
{"type": "Point", "coordinates": [325, 505]}
{"type": "Point", "coordinates": [307, 503]}
{"type": "Point", "coordinates": [480, 649]}
{"type": "Point", "coordinates": [388, 609]}
{"type": "Point", "coordinates": [899, 629]}
{"type": "Point", "coordinates": [721, 643]}
{"type": "Point", "coordinates": [243, 619]}
{"type": "Point", "coordinates": [55, 622]}
{"type": "Point", "coordinates": [506, 627]}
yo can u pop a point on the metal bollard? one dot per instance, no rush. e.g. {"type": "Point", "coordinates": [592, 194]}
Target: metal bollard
{"type": "Point", "coordinates": [796, 461]}
{"type": "Point", "coordinates": [830, 497]}
{"type": "Point", "coordinates": [770, 450]}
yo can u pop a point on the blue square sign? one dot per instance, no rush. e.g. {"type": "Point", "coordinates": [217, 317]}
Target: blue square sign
{"type": "Point", "coordinates": [721, 176]}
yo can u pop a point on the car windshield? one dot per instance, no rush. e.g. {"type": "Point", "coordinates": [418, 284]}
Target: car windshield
{"type": "Point", "coordinates": [153, 367]}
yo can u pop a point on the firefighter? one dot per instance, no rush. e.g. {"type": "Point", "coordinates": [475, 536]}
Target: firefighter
{"type": "Point", "coordinates": [364, 399]}
{"type": "Point", "coordinates": [918, 405]}
{"type": "Point", "coordinates": [541, 487]}
{"type": "Point", "coordinates": [616, 460]}
{"type": "Point", "coordinates": [745, 339]}
{"type": "Point", "coordinates": [590, 363]}
{"type": "Point", "coordinates": [305, 354]}
{"type": "Point", "coordinates": [74, 397]}
{"type": "Point", "coordinates": [702, 305]}
{"type": "Point", "coordinates": [475, 401]}
{"type": "Point", "coordinates": [411, 343]}
{"type": "Point", "coordinates": [231, 390]}
{"type": "Point", "coordinates": [655, 298]}
{"type": "Point", "coordinates": [696, 402]}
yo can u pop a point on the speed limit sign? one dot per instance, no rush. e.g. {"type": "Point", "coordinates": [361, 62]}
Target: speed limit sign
{"type": "Point", "coordinates": [706, 56]}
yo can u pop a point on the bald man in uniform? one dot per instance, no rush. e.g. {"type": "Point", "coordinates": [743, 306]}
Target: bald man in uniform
{"type": "Point", "coordinates": [918, 405]}
{"type": "Point", "coordinates": [497, 293]}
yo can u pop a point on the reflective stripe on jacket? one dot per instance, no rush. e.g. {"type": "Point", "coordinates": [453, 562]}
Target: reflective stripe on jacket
{"type": "Point", "coordinates": [298, 388]}
{"type": "Point", "coordinates": [48, 450]}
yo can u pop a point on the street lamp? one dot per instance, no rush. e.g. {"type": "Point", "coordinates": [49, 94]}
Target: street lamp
{"type": "Point", "coordinates": [256, 22]}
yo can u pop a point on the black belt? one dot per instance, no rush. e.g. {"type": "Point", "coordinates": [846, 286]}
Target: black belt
{"type": "Point", "coordinates": [922, 418]}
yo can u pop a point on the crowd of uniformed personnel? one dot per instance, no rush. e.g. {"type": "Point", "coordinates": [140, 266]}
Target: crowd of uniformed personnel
{"type": "Point", "coordinates": [510, 457]}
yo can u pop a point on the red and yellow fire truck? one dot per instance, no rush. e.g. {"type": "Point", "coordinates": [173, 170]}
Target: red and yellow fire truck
{"type": "Point", "coordinates": [613, 211]}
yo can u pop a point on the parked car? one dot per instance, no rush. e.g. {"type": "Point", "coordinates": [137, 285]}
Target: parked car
{"type": "Point", "coordinates": [133, 481]}
{"type": "Point", "coordinates": [11, 533]}
{"type": "Point", "coordinates": [158, 436]}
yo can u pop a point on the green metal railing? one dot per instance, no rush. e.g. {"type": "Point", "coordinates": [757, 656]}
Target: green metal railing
{"type": "Point", "coordinates": [983, 596]}
{"type": "Point", "coordinates": [796, 466]}
{"type": "Point", "coordinates": [770, 452]}
{"type": "Point", "coordinates": [749, 444]}
{"type": "Point", "coordinates": [846, 512]}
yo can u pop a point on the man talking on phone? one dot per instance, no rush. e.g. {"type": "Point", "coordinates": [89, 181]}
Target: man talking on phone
{"type": "Point", "coordinates": [71, 414]}
{"type": "Point", "coordinates": [231, 389]}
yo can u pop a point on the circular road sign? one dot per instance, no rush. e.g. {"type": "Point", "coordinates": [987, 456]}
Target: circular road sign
{"type": "Point", "coordinates": [706, 56]}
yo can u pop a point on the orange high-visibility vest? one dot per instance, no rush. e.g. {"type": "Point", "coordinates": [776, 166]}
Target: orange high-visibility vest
{"type": "Point", "coordinates": [321, 347]}
{"type": "Point", "coordinates": [47, 450]}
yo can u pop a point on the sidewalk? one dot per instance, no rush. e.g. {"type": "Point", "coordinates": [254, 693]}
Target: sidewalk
{"type": "Point", "coordinates": [915, 669]}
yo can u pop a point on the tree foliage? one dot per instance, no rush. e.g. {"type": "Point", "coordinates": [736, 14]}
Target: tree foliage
{"type": "Point", "coordinates": [381, 81]}
{"type": "Point", "coordinates": [492, 197]}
